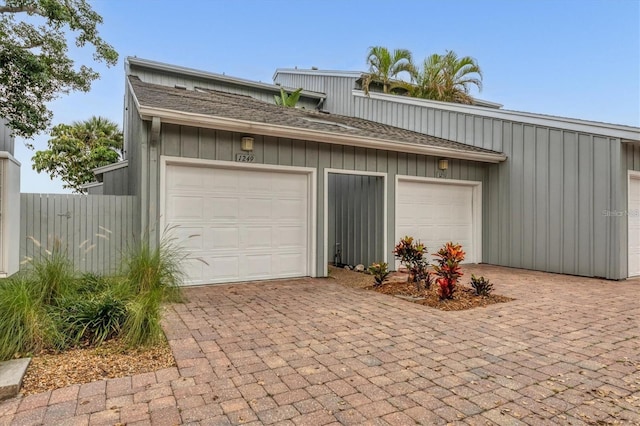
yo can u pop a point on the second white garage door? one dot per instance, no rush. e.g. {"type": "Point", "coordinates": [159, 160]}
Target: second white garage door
{"type": "Point", "coordinates": [239, 224]}
{"type": "Point", "coordinates": [436, 213]}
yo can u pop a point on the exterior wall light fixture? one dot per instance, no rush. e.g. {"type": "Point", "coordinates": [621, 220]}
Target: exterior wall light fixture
{"type": "Point", "coordinates": [247, 143]}
{"type": "Point", "coordinates": [443, 165]}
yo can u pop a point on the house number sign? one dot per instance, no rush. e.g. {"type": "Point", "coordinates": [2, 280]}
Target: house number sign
{"type": "Point", "coordinates": [245, 158]}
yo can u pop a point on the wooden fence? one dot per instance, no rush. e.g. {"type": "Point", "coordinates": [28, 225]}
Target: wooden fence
{"type": "Point", "coordinates": [93, 229]}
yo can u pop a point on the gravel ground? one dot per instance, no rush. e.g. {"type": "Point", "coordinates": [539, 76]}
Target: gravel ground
{"type": "Point", "coordinates": [49, 371]}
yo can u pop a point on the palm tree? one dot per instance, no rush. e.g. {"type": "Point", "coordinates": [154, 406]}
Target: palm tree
{"type": "Point", "coordinates": [447, 78]}
{"type": "Point", "coordinates": [99, 131]}
{"type": "Point", "coordinates": [385, 66]}
{"type": "Point", "coordinates": [75, 150]}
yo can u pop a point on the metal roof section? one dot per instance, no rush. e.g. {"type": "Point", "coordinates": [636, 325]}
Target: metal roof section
{"type": "Point", "coordinates": [624, 132]}
{"type": "Point", "coordinates": [244, 114]}
{"type": "Point", "coordinates": [110, 167]}
{"type": "Point", "coordinates": [326, 73]}
{"type": "Point", "coordinates": [146, 63]}
{"type": "Point", "coordinates": [358, 75]}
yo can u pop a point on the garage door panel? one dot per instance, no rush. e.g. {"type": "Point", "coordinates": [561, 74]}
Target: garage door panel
{"type": "Point", "coordinates": [185, 207]}
{"type": "Point", "coordinates": [258, 237]}
{"type": "Point", "coordinates": [435, 214]}
{"type": "Point", "coordinates": [257, 208]}
{"type": "Point", "coordinates": [291, 237]}
{"type": "Point", "coordinates": [220, 207]}
{"type": "Point", "coordinates": [253, 224]}
{"type": "Point", "coordinates": [633, 221]}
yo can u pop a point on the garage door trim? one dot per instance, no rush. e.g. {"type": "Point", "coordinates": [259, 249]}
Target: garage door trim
{"type": "Point", "coordinates": [221, 164]}
{"type": "Point", "coordinates": [476, 256]}
{"type": "Point", "coordinates": [631, 175]}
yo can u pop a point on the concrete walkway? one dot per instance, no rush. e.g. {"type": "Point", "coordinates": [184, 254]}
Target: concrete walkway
{"type": "Point", "coordinates": [312, 352]}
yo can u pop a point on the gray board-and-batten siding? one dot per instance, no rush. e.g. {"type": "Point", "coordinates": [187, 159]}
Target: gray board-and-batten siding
{"type": "Point", "coordinates": [209, 144]}
{"type": "Point", "coordinates": [543, 207]}
{"type": "Point", "coordinates": [7, 141]}
{"type": "Point", "coordinates": [93, 230]}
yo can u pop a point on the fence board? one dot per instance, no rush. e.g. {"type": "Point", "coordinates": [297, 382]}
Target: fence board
{"type": "Point", "coordinates": [93, 229]}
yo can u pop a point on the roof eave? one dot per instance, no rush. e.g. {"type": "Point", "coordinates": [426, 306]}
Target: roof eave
{"type": "Point", "coordinates": [146, 63]}
{"type": "Point", "coordinates": [110, 167]}
{"type": "Point", "coordinates": [590, 127]}
{"type": "Point", "coordinates": [243, 126]}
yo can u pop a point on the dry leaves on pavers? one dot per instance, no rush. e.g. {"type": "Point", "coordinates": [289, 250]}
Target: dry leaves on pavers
{"type": "Point", "coordinates": [49, 371]}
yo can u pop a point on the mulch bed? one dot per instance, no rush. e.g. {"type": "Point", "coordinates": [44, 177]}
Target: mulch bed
{"type": "Point", "coordinates": [463, 297]}
{"type": "Point", "coordinates": [397, 285]}
{"type": "Point", "coordinates": [49, 371]}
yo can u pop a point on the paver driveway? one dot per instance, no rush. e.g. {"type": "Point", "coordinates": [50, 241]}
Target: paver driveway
{"type": "Point", "coordinates": [567, 351]}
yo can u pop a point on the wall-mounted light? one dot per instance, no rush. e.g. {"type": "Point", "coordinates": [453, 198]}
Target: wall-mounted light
{"type": "Point", "coordinates": [247, 143]}
{"type": "Point", "coordinates": [443, 164]}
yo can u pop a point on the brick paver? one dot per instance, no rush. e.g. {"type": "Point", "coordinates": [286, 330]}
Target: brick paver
{"type": "Point", "coordinates": [310, 351]}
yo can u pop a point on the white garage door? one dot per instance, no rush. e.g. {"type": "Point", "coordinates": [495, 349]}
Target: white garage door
{"type": "Point", "coordinates": [435, 214]}
{"type": "Point", "coordinates": [633, 218]}
{"type": "Point", "coordinates": [239, 224]}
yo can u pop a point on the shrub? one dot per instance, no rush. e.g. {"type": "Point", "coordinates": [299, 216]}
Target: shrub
{"type": "Point", "coordinates": [142, 325]}
{"type": "Point", "coordinates": [411, 255]}
{"type": "Point", "coordinates": [481, 286]}
{"type": "Point", "coordinates": [159, 268]}
{"type": "Point", "coordinates": [53, 273]}
{"type": "Point", "coordinates": [24, 324]}
{"type": "Point", "coordinates": [153, 276]}
{"type": "Point", "coordinates": [447, 268]}
{"type": "Point", "coordinates": [380, 272]}
{"type": "Point", "coordinates": [91, 319]}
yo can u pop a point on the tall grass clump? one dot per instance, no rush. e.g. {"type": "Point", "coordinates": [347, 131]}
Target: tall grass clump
{"type": "Point", "coordinates": [153, 275]}
{"type": "Point", "coordinates": [54, 274]}
{"type": "Point", "coordinates": [25, 325]}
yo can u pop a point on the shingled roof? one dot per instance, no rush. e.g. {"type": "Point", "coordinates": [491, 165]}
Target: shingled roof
{"type": "Point", "coordinates": [245, 108]}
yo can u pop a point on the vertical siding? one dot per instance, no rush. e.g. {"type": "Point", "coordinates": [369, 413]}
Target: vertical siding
{"type": "Point", "coordinates": [356, 218]}
{"type": "Point", "coordinates": [338, 89]}
{"type": "Point", "coordinates": [222, 145]}
{"type": "Point", "coordinates": [543, 206]}
{"type": "Point", "coordinates": [116, 182]}
{"type": "Point", "coordinates": [94, 230]}
{"type": "Point", "coordinates": [7, 141]}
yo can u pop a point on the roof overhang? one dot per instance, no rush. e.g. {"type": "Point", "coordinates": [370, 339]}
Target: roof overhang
{"type": "Point", "coordinates": [4, 155]}
{"type": "Point", "coordinates": [326, 73]}
{"type": "Point", "coordinates": [266, 129]}
{"type": "Point", "coordinates": [160, 66]}
{"type": "Point", "coordinates": [110, 167]}
{"type": "Point", "coordinates": [91, 185]}
{"type": "Point", "coordinates": [572, 124]}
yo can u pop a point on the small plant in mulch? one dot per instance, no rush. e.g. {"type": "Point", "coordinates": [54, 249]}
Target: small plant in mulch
{"type": "Point", "coordinates": [481, 285]}
{"type": "Point", "coordinates": [380, 272]}
{"type": "Point", "coordinates": [447, 268]}
{"type": "Point", "coordinates": [411, 255]}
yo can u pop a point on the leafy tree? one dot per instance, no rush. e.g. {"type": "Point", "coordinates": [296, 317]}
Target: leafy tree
{"type": "Point", "coordinates": [385, 66]}
{"type": "Point", "coordinates": [447, 78]}
{"type": "Point", "coordinates": [288, 100]}
{"type": "Point", "coordinates": [76, 149]}
{"type": "Point", "coordinates": [34, 65]}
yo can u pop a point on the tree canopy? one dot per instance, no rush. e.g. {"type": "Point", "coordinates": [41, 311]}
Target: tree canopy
{"type": "Point", "coordinates": [386, 65]}
{"type": "Point", "coordinates": [34, 63]}
{"type": "Point", "coordinates": [447, 78]}
{"type": "Point", "coordinates": [75, 150]}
